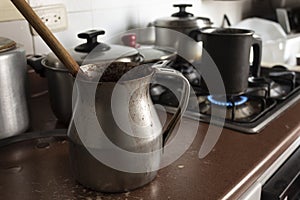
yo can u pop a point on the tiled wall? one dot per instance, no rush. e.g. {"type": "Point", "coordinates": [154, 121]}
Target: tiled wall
{"type": "Point", "coordinates": [115, 16]}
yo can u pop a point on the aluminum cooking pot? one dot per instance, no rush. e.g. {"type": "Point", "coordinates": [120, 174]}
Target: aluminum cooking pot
{"type": "Point", "coordinates": [60, 83]}
{"type": "Point", "coordinates": [14, 117]}
{"type": "Point", "coordinates": [168, 29]}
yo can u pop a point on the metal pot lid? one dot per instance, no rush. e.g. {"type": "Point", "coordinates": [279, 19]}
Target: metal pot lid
{"type": "Point", "coordinates": [182, 19]}
{"type": "Point", "coordinates": [103, 52]}
{"type": "Point", "coordinates": [6, 44]}
{"type": "Point", "coordinates": [116, 53]}
{"type": "Point", "coordinates": [93, 52]}
{"type": "Point", "coordinates": [155, 53]}
{"type": "Point", "coordinates": [52, 62]}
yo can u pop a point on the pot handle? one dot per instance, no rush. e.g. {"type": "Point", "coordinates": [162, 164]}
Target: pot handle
{"type": "Point", "coordinates": [35, 61]}
{"type": "Point", "coordinates": [183, 103]}
{"type": "Point", "coordinates": [196, 33]}
{"type": "Point", "coordinates": [257, 53]}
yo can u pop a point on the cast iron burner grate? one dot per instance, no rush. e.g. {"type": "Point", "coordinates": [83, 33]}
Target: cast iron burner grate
{"type": "Point", "coordinates": [266, 98]}
{"type": "Point", "coordinates": [248, 109]}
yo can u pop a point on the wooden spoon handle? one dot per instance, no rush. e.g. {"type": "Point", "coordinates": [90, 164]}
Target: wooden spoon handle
{"type": "Point", "coordinates": [34, 20]}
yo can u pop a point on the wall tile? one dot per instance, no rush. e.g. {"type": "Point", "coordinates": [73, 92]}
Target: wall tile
{"type": "Point", "coordinates": [103, 4]}
{"type": "Point", "coordinates": [117, 16]}
{"type": "Point", "coordinates": [150, 13]}
{"type": "Point", "coordinates": [216, 10]}
{"type": "Point", "coordinates": [78, 5]}
{"type": "Point", "coordinates": [69, 37]}
{"type": "Point", "coordinates": [19, 32]}
{"type": "Point", "coordinates": [136, 4]}
{"type": "Point", "coordinates": [71, 5]}
{"type": "Point", "coordinates": [115, 21]}
{"type": "Point", "coordinates": [37, 3]}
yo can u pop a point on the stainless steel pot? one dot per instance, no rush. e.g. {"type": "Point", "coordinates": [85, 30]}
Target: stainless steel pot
{"type": "Point", "coordinates": [169, 30]}
{"type": "Point", "coordinates": [182, 21]}
{"type": "Point", "coordinates": [14, 115]}
{"type": "Point", "coordinates": [60, 83]}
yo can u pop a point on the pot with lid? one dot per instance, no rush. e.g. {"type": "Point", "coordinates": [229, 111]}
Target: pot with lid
{"type": "Point", "coordinates": [183, 21]}
{"type": "Point", "coordinates": [168, 29]}
{"type": "Point", "coordinates": [14, 115]}
{"type": "Point", "coordinates": [60, 83]}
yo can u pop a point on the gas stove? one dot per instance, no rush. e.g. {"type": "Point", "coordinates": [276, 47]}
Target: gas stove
{"type": "Point", "coordinates": [267, 96]}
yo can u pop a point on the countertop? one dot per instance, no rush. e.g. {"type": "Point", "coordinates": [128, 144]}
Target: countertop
{"type": "Point", "coordinates": [234, 164]}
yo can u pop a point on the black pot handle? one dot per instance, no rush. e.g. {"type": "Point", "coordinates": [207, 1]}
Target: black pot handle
{"type": "Point", "coordinates": [196, 33]}
{"type": "Point", "coordinates": [35, 61]}
{"type": "Point", "coordinates": [257, 53]}
{"type": "Point", "coordinates": [91, 43]}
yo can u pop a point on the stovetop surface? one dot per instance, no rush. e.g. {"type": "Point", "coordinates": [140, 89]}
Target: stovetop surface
{"type": "Point", "coordinates": [234, 165]}
{"type": "Point", "coordinates": [265, 99]}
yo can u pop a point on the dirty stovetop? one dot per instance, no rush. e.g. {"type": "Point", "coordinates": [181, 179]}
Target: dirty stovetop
{"type": "Point", "coordinates": [39, 168]}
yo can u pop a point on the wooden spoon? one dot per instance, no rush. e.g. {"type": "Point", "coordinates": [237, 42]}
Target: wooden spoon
{"type": "Point", "coordinates": [34, 20]}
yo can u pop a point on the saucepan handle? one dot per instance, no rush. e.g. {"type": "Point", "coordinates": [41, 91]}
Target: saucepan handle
{"type": "Point", "coordinates": [197, 33]}
{"type": "Point", "coordinates": [35, 61]}
{"type": "Point", "coordinates": [257, 53]}
{"type": "Point", "coordinates": [183, 103]}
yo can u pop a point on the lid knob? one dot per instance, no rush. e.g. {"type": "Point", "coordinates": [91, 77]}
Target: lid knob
{"type": "Point", "coordinates": [91, 37]}
{"type": "Point", "coordinates": [182, 13]}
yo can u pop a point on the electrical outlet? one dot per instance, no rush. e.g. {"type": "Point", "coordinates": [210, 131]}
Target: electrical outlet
{"type": "Point", "coordinates": [53, 16]}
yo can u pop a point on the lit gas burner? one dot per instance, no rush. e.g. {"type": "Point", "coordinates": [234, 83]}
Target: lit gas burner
{"type": "Point", "coordinates": [266, 97]}
{"type": "Point", "coordinates": [238, 108]}
{"type": "Point", "coordinates": [232, 101]}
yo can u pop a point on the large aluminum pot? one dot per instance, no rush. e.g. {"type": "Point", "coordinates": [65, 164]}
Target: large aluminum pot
{"type": "Point", "coordinates": [14, 117]}
{"type": "Point", "coordinates": [169, 30]}
{"type": "Point", "coordinates": [60, 83]}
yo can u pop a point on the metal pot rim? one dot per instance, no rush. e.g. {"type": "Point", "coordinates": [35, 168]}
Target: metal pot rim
{"type": "Point", "coordinates": [44, 63]}
{"type": "Point", "coordinates": [227, 31]}
{"type": "Point", "coordinates": [148, 71]}
{"type": "Point", "coordinates": [61, 68]}
{"type": "Point", "coordinates": [176, 22]}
